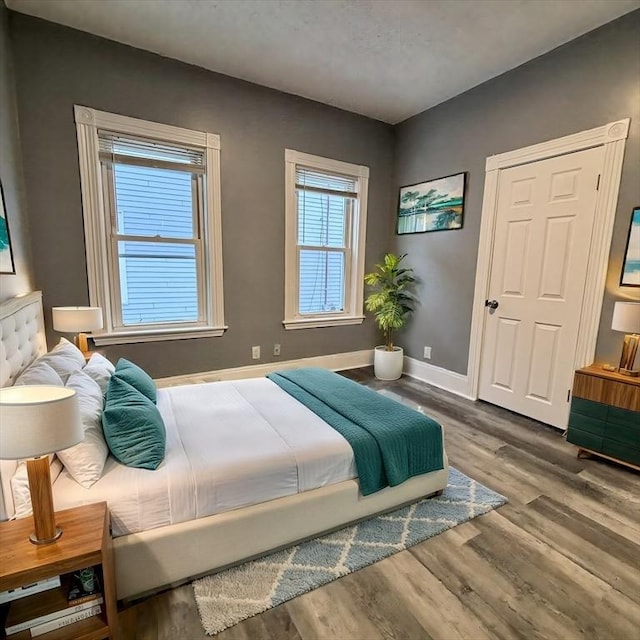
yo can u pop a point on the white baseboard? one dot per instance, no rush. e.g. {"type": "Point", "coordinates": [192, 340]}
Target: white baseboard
{"type": "Point", "coordinates": [442, 378]}
{"type": "Point", "coordinates": [335, 362]}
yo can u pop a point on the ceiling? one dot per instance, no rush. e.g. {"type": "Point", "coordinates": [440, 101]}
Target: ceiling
{"type": "Point", "coordinates": [386, 59]}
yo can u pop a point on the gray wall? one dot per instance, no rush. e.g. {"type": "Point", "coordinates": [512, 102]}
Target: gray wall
{"type": "Point", "coordinates": [57, 67]}
{"type": "Point", "coordinates": [11, 171]}
{"type": "Point", "coordinates": [583, 84]}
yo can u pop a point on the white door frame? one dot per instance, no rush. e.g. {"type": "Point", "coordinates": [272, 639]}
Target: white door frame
{"type": "Point", "coordinates": [612, 136]}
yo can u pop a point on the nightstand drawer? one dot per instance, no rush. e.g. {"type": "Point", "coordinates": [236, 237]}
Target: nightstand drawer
{"type": "Point", "coordinates": [584, 439]}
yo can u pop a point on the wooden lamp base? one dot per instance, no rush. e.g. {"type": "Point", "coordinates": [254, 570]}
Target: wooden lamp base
{"type": "Point", "coordinates": [46, 531]}
{"type": "Point", "coordinates": [82, 344]}
{"type": "Point", "coordinates": [629, 350]}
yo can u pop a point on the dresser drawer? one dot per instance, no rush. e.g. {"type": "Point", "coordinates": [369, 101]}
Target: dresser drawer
{"type": "Point", "coordinates": [624, 418]}
{"type": "Point", "coordinates": [586, 423]}
{"type": "Point", "coordinates": [622, 434]}
{"type": "Point", "coordinates": [621, 451]}
{"type": "Point", "coordinates": [592, 383]}
{"type": "Point", "coordinates": [589, 408]}
{"type": "Point", "coordinates": [585, 439]}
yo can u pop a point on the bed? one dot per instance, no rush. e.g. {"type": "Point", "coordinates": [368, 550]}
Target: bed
{"type": "Point", "coordinates": [213, 502]}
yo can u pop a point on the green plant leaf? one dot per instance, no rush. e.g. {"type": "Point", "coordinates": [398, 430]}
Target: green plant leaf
{"type": "Point", "coordinates": [391, 301]}
{"type": "Point", "coordinates": [376, 301]}
{"type": "Point", "coordinates": [372, 278]}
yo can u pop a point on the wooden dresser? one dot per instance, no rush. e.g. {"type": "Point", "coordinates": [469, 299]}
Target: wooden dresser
{"type": "Point", "coordinates": [605, 415]}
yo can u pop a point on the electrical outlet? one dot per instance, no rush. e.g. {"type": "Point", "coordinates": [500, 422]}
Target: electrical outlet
{"type": "Point", "coordinates": [255, 353]}
{"type": "Point", "coordinates": [276, 349]}
{"type": "Point", "coordinates": [427, 353]}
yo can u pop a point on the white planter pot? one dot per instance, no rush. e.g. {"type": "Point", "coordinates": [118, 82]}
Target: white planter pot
{"type": "Point", "coordinates": [387, 365]}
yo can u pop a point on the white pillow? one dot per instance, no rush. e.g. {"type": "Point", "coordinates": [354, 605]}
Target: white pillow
{"type": "Point", "coordinates": [39, 373]}
{"type": "Point", "coordinates": [20, 487]}
{"type": "Point", "coordinates": [100, 370]}
{"type": "Point", "coordinates": [65, 358]}
{"type": "Point", "coordinates": [85, 460]}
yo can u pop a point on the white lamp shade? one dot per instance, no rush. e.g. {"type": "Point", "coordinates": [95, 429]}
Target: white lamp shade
{"type": "Point", "coordinates": [76, 319]}
{"type": "Point", "coordinates": [37, 420]}
{"type": "Point", "coordinates": [626, 317]}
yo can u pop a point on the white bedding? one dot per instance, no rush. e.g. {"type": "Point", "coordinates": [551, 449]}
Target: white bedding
{"type": "Point", "coordinates": [229, 445]}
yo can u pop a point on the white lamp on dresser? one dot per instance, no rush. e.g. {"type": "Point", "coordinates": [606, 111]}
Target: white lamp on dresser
{"type": "Point", "coordinates": [626, 318]}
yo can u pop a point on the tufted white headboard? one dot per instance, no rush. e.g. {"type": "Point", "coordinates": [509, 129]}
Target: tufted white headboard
{"type": "Point", "coordinates": [22, 340]}
{"type": "Point", "coordinates": [22, 337]}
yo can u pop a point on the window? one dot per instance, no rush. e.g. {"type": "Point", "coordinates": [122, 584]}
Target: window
{"type": "Point", "coordinates": [151, 202]}
{"type": "Point", "coordinates": [326, 208]}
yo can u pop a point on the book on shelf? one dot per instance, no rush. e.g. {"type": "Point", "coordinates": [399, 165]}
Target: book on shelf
{"type": "Point", "coordinates": [29, 589]}
{"type": "Point", "coordinates": [84, 598]}
{"type": "Point", "coordinates": [18, 622]}
{"type": "Point", "coordinates": [66, 620]}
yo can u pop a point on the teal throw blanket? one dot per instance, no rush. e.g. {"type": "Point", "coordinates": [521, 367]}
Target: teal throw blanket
{"type": "Point", "coordinates": [391, 442]}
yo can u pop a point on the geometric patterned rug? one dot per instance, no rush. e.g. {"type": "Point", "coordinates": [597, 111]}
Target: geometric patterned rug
{"type": "Point", "coordinates": [233, 595]}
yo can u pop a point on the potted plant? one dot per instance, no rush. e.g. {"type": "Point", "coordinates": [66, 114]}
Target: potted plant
{"type": "Point", "coordinates": [391, 302]}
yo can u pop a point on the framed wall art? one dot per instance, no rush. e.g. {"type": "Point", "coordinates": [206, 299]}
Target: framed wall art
{"type": "Point", "coordinates": [630, 276]}
{"type": "Point", "coordinates": [6, 255]}
{"type": "Point", "coordinates": [434, 205]}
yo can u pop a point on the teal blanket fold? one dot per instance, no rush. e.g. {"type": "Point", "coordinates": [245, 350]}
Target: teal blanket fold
{"type": "Point", "coordinates": [391, 442]}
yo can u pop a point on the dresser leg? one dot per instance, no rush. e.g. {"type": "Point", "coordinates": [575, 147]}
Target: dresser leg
{"type": "Point", "coordinates": [582, 453]}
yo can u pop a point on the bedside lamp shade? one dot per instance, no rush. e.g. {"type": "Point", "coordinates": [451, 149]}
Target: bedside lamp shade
{"type": "Point", "coordinates": [74, 319]}
{"type": "Point", "coordinates": [34, 422]}
{"type": "Point", "coordinates": [37, 420]}
{"type": "Point", "coordinates": [626, 318]}
{"type": "Point", "coordinates": [77, 320]}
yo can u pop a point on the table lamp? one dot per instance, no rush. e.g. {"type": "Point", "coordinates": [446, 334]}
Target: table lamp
{"type": "Point", "coordinates": [77, 320]}
{"type": "Point", "coordinates": [626, 318]}
{"type": "Point", "coordinates": [34, 422]}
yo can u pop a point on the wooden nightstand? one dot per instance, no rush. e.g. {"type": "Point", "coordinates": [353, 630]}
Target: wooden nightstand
{"type": "Point", "coordinates": [605, 415]}
{"type": "Point", "coordinates": [85, 542]}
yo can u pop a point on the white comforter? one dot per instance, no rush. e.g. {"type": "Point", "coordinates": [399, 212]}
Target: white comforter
{"type": "Point", "coordinates": [229, 445]}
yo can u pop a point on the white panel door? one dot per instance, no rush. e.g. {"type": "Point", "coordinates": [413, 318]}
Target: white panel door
{"type": "Point", "coordinates": [544, 221]}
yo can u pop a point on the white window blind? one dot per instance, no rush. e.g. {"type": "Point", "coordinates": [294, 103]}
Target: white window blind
{"type": "Point", "coordinates": [132, 150]}
{"type": "Point", "coordinates": [312, 179]}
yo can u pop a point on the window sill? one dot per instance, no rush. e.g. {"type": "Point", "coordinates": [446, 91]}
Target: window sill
{"type": "Point", "coordinates": [316, 323]}
{"type": "Point", "coordinates": [130, 337]}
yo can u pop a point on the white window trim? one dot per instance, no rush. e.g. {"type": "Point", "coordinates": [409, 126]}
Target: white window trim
{"type": "Point", "coordinates": [101, 289]}
{"type": "Point", "coordinates": [354, 287]}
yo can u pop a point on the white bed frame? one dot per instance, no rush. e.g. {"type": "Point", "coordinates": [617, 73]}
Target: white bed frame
{"type": "Point", "coordinates": [149, 560]}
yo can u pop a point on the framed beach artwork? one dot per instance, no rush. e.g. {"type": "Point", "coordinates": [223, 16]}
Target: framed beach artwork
{"type": "Point", "coordinates": [630, 276]}
{"type": "Point", "coordinates": [6, 256]}
{"type": "Point", "coordinates": [435, 205]}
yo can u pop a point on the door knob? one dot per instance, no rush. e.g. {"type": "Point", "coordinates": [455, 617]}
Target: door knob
{"type": "Point", "coordinates": [492, 304]}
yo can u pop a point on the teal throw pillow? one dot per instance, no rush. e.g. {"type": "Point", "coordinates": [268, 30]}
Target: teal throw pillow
{"type": "Point", "coordinates": [133, 426]}
{"type": "Point", "coordinates": [136, 377]}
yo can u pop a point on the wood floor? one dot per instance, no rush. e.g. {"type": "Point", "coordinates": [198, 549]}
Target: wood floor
{"type": "Point", "coordinates": [561, 560]}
